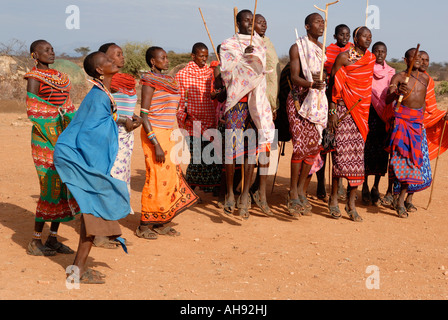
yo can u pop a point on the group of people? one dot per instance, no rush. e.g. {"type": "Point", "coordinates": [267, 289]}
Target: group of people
{"type": "Point", "coordinates": [351, 112]}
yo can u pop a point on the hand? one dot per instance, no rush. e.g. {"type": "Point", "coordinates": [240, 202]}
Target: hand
{"type": "Point", "coordinates": [129, 125]}
{"type": "Point", "coordinates": [404, 89]}
{"type": "Point", "coordinates": [136, 121]}
{"type": "Point", "coordinates": [446, 117]}
{"type": "Point", "coordinates": [249, 49]}
{"type": "Point", "coordinates": [274, 115]}
{"type": "Point", "coordinates": [160, 154]}
{"type": "Point", "coordinates": [317, 83]}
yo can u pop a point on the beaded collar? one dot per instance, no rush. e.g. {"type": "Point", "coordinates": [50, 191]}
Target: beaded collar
{"type": "Point", "coordinates": [353, 55]}
{"type": "Point", "coordinates": [100, 85]}
{"type": "Point", "coordinates": [55, 79]}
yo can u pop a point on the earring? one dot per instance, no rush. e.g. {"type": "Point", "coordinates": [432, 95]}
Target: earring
{"type": "Point", "coordinates": [35, 60]}
{"type": "Point", "coordinates": [101, 77]}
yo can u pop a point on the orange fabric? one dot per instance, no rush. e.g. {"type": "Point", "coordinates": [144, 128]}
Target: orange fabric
{"type": "Point", "coordinates": [352, 83]}
{"type": "Point", "coordinates": [333, 50]}
{"type": "Point", "coordinates": [434, 124]}
{"type": "Point", "coordinates": [165, 193]}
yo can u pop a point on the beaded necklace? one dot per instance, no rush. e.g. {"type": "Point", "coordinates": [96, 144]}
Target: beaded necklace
{"type": "Point", "coordinates": [100, 85]}
{"type": "Point", "coordinates": [55, 79]}
{"type": "Point", "coordinates": [354, 55]}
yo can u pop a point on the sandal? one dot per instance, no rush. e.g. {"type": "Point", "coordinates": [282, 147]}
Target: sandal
{"type": "Point", "coordinates": [229, 206]}
{"type": "Point", "coordinates": [295, 207]}
{"type": "Point", "coordinates": [410, 207]}
{"type": "Point", "coordinates": [59, 247]}
{"type": "Point", "coordinates": [353, 214]}
{"type": "Point", "coordinates": [402, 213]}
{"type": "Point", "coordinates": [263, 205]}
{"type": "Point", "coordinates": [387, 200]}
{"type": "Point", "coordinates": [92, 277]}
{"type": "Point", "coordinates": [307, 207]}
{"type": "Point", "coordinates": [335, 212]}
{"type": "Point", "coordinates": [146, 233]}
{"type": "Point", "coordinates": [105, 242]}
{"type": "Point", "coordinates": [34, 250]}
{"type": "Point", "coordinates": [244, 209]}
{"type": "Point", "coordinates": [167, 231]}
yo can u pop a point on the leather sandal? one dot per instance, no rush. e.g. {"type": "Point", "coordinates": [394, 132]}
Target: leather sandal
{"type": "Point", "coordinates": [353, 214]}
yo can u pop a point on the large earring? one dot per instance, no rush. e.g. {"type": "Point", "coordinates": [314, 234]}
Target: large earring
{"type": "Point", "coordinates": [35, 60]}
{"type": "Point", "coordinates": [101, 77]}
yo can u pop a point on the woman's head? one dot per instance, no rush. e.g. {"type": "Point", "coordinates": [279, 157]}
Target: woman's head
{"type": "Point", "coordinates": [114, 52]}
{"type": "Point", "coordinates": [342, 35]}
{"type": "Point", "coordinates": [98, 65]}
{"type": "Point", "coordinates": [157, 59]}
{"type": "Point", "coordinates": [42, 52]}
{"type": "Point", "coordinates": [362, 38]}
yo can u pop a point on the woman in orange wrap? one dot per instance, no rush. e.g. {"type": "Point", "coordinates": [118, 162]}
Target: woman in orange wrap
{"type": "Point", "coordinates": [165, 193]}
{"type": "Point", "coordinates": [352, 76]}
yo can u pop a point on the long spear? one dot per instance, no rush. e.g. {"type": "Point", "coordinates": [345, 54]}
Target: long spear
{"type": "Point", "coordinates": [324, 44]}
{"type": "Point", "coordinates": [435, 168]}
{"type": "Point", "coordinates": [206, 28]}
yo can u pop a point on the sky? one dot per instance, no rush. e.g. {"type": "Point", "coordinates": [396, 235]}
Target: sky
{"type": "Point", "coordinates": [177, 24]}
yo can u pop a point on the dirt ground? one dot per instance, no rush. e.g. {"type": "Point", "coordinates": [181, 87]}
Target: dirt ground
{"type": "Point", "coordinates": [219, 257]}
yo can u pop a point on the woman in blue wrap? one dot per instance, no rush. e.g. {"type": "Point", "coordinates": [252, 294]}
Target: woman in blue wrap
{"type": "Point", "coordinates": [84, 156]}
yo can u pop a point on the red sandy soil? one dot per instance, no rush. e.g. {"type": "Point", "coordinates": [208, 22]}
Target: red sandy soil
{"type": "Point", "coordinates": [222, 257]}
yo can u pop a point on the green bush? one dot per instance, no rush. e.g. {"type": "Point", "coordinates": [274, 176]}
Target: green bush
{"type": "Point", "coordinates": [442, 88]}
{"type": "Point", "coordinates": [134, 53]}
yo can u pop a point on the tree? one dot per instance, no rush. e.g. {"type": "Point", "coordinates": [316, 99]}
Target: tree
{"type": "Point", "coordinates": [83, 51]}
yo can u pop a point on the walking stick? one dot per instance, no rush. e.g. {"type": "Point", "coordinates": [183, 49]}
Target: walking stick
{"type": "Point", "coordinates": [253, 22]}
{"type": "Point", "coordinates": [367, 12]}
{"type": "Point", "coordinates": [408, 76]}
{"type": "Point", "coordinates": [435, 168]}
{"type": "Point", "coordinates": [324, 44]}
{"type": "Point", "coordinates": [235, 13]}
{"type": "Point", "coordinates": [206, 28]}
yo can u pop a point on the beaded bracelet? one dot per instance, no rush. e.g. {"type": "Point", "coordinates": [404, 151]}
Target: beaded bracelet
{"type": "Point", "coordinates": [332, 112]}
{"type": "Point", "coordinates": [145, 111]}
{"type": "Point", "coordinates": [115, 116]}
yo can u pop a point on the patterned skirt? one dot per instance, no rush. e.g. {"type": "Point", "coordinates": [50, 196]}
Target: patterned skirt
{"type": "Point", "coordinates": [165, 193]}
{"type": "Point", "coordinates": [305, 136]}
{"type": "Point", "coordinates": [376, 158]}
{"type": "Point", "coordinates": [425, 171]}
{"type": "Point", "coordinates": [240, 137]}
{"type": "Point", "coordinates": [348, 159]}
{"type": "Point", "coordinates": [122, 166]}
{"type": "Point", "coordinates": [200, 173]}
{"type": "Point", "coordinates": [56, 203]}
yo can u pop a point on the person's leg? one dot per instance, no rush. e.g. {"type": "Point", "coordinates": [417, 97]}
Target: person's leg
{"type": "Point", "coordinates": [409, 204]}
{"type": "Point", "coordinates": [294, 180]}
{"type": "Point", "coordinates": [229, 199]}
{"type": "Point", "coordinates": [304, 177]}
{"type": "Point", "coordinates": [244, 199]}
{"type": "Point", "coordinates": [262, 174]}
{"type": "Point", "coordinates": [375, 193]}
{"type": "Point", "coordinates": [36, 247]}
{"type": "Point", "coordinates": [84, 246]}
{"type": "Point", "coordinates": [350, 208]}
{"type": "Point", "coordinates": [321, 190]}
{"type": "Point", "coordinates": [53, 243]}
{"type": "Point", "coordinates": [401, 207]}
{"type": "Point", "coordinates": [366, 198]}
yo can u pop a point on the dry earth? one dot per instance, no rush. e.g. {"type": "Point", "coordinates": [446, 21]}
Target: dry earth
{"type": "Point", "coordinates": [218, 257]}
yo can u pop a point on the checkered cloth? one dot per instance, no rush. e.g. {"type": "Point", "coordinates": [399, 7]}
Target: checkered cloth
{"type": "Point", "coordinates": [195, 103]}
{"type": "Point", "coordinates": [407, 134]}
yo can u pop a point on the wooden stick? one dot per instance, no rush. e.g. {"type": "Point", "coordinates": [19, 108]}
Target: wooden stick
{"type": "Point", "coordinates": [235, 13]}
{"type": "Point", "coordinates": [324, 45]}
{"type": "Point", "coordinates": [253, 22]}
{"type": "Point", "coordinates": [348, 112]}
{"type": "Point", "coordinates": [206, 28]}
{"type": "Point", "coordinates": [435, 168]}
{"type": "Point", "coordinates": [281, 146]}
{"type": "Point", "coordinates": [367, 12]}
{"type": "Point", "coordinates": [408, 76]}
{"type": "Point", "coordinates": [297, 34]}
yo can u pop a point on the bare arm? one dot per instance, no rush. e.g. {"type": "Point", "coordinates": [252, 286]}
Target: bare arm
{"type": "Point", "coordinates": [147, 95]}
{"type": "Point", "coordinates": [33, 86]}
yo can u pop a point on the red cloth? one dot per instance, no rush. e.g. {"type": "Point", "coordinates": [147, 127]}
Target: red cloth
{"type": "Point", "coordinates": [434, 123]}
{"type": "Point", "coordinates": [124, 83]}
{"type": "Point", "coordinates": [352, 83]}
{"type": "Point", "coordinates": [333, 50]}
{"type": "Point", "coordinates": [195, 103]}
